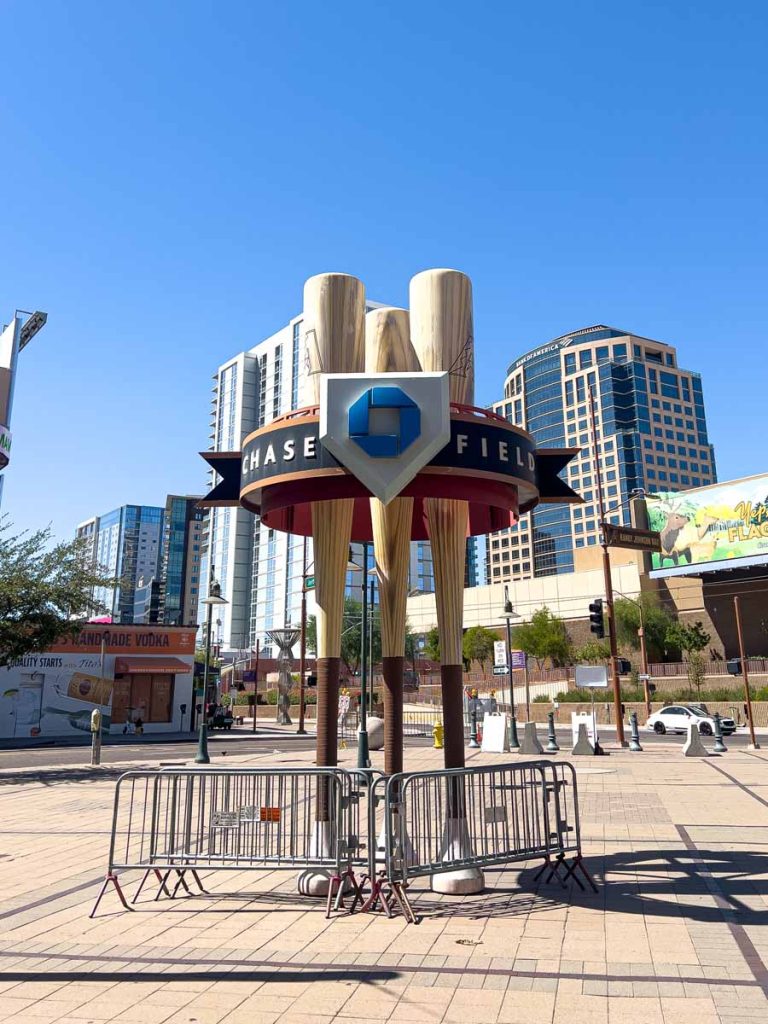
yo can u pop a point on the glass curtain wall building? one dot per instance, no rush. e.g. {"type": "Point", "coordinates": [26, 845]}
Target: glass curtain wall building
{"type": "Point", "coordinates": [127, 545]}
{"type": "Point", "coordinates": [651, 434]}
{"type": "Point", "coordinates": [261, 570]}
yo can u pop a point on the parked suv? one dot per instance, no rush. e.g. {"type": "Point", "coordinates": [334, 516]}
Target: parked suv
{"type": "Point", "coordinates": [677, 718]}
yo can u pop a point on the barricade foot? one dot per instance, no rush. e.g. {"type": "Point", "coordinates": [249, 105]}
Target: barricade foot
{"type": "Point", "coordinates": [199, 884]}
{"type": "Point", "coordinates": [578, 864]}
{"type": "Point", "coordinates": [111, 877]}
{"type": "Point", "coordinates": [553, 866]}
{"type": "Point", "coordinates": [398, 891]}
{"type": "Point", "coordinates": [378, 895]}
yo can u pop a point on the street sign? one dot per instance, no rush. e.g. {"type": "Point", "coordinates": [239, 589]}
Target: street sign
{"type": "Point", "coordinates": [309, 582]}
{"type": "Point", "coordinates": [500, 670]}
{"type": "Point", "coordinates": [500, 654]}
{"type": "Point", "coordinates": [643, 677]}
{"type": "Point", "coordinates": [631, 537]}
{"type": "Point", "coordinates": [587, 676]}
{"type": "Point", "coordinates": [518, 659]}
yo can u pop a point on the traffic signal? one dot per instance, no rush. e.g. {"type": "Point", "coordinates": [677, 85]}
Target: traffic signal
{"type": "Point", "coordinates": [597, 618]}
{"type": "Point", "coordinates": [311, 679]}
{"type": "Point", "coordinates": [624, 666]}
{"type": "Point", "coordinates": [734, 666]}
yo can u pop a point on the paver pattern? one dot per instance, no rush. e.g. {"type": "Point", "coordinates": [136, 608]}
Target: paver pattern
{"type": "Point", "coordinates": [676, 935]}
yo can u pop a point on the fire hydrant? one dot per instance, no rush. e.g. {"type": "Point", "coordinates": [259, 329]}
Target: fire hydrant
{"type": "Point", "coordinates": [438, 732]}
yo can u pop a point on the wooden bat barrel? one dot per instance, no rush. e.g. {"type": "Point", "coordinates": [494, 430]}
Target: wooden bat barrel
{"type": "Point", "coordinates": [388, 349]}
{"type": "Point", "coordinates": [442, 334]}
{"type": "Point", "coordinates": [334, 318]}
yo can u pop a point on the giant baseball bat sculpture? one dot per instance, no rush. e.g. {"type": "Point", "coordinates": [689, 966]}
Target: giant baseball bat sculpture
{"type": "Point", "coordinates": [388, 349]}
{"type": "Point", "coordinates": [334, 318]}
{"type": "Point", "coordinates": [441, 328]}
{"type": "Point", "coordinates": [442, 333]}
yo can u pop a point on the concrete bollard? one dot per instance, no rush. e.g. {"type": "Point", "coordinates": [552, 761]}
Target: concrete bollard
{"type": "Point", "coordinates": [693, 746]}
{"type": "Point", "coordinates": [719, 747]}
{"type": "Point", "coordinates": [634, 742]}
{"type": "Point", "coordinates": [530, 744]}
{"type": "Point", "coordinates": [582, 744]}
{"type": "Point", "coordinates": [552, 747]}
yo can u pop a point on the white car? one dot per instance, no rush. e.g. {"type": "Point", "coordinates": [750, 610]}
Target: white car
{"type": "Point", "coordinates": [677, 718]}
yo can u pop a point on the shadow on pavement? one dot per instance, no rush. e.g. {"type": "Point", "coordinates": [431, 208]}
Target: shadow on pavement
{"type": "Point", "coordinates": [57, 776]}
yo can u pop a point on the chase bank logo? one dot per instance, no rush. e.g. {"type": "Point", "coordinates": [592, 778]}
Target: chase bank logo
{"type": "Point", "coordinates": [384, 421]}
{"type": "Point", "coordinates": [384, 427]}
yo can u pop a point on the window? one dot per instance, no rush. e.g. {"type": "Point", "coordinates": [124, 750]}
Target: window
{"type": "Point", "coordinates": [581, 393]}
{"type": "Point", "coordinates": [670, 359]}
{"type": "Point", "coordinates": [620, 352]}
{"type": "Point", "coordinates": [603, 354]}
{"type": "Point", "coordinates": [570, 362]}
{"type": "Point", "coordinates": [585, 359]}
{"type": "Point", "coordinates": [569, 392]}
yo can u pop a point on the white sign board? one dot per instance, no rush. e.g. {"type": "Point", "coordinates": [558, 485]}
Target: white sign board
{"type": "Point", "coordinates": [582, 718]}
{"type": "Point", "coordinates": [500, 654]}
{"type": "Point", "coordinates": [495, 736]}
{"type": "Point", "coordinates": [591, 676]}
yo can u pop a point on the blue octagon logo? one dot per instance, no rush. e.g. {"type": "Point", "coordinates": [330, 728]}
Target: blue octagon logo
{"type": "Point", "coordinates": [384, 446]}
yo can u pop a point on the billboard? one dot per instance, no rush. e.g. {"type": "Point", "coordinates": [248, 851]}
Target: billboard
{"type": "Point", "coordinates": [722, 523]}
{"type": "Point", "coordinates": [52, 695]}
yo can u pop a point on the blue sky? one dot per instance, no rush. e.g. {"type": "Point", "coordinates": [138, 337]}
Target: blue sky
{"type": "Point", "coordinates": [172, 173]}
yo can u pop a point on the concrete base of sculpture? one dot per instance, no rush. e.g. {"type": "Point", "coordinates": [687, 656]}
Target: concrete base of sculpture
{"type": "Point", "coordinates": [693, 746]}
{"type": "Point", "coordinates": [457, 846]}
{"type": "Point", "coordinates": [582, 744]}
{"type": "Point", "coordinates": [375, 730]}
{"type": "Point", "coordinates": [315, 881]}
{"type": "Point", "coordinates": [530, 744]}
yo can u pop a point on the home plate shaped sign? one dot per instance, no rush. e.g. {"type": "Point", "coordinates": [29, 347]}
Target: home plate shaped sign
{"type": "Point", "coordinates": [384, 427]}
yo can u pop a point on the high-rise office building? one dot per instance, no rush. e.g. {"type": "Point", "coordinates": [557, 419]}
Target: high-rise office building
{"type": "Point", "coordinates": [651, 434]}
{"type": "Point", "coordinates": [259, 569]}
{"type": "Point", "coordinates": [180, 560]}
{"type": "Point", "coordinates": [155, 554]}
{"type": "Point", "coordinates": [126, 543]}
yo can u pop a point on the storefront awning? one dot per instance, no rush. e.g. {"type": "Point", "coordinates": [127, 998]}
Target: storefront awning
{"type": "Point", "coordinates": [166, 666]}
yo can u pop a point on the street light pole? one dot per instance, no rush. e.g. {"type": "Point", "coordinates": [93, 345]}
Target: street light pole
{"type": "Point", "coordinates": [608, 580]}
{"type": "Point", "coordinates": [363, 753]}
{"type": "Point", "coordinates": [753, 742]}
{"type": "Point", "coordinates": [214, 597]}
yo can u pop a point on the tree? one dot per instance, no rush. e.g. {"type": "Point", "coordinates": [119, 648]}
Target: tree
{"type": "Point", "coordinates": [592, 651]}
{"type": "Point", "coordinates": [656, 622]}
{"type": "Point", "coordinates": [46, 591]}
{"type": "Point", "coordinates": [351, 634]}
{"type": "Point", "coordinates": [477, 645]}
{"type": "Point", "coordinates": [692, 639]}
{"type": "Point", "coordinates": [545, 636]}
{"type": "Point", "coordinates": [432, 644]}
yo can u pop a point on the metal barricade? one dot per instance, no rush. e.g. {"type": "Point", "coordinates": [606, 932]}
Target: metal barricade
{"type": "Point", "coordinates": [181, 821]}
{"type": "Point", "coordinates": [479, 817]}
{"type": "Point", "coordinates": [565, 835]}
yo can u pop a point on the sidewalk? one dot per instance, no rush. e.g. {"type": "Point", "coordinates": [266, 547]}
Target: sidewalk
{"type": "Point", "coordinates": [676, 934]}
{"type": "Point", "coordinates": [264, 730]}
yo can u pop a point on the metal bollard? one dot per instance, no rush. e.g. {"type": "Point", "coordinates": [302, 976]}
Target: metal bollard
{"type": "Point", "coordinates": [552, 747]}
{"type": "Point", "coordinates": [95, 737]}
{"type": "Point", "coordinates": [473, 729]}
{"type": "Point", "coordinates": [514, 742]}
{"type": "Point", "coordinates": [719, 747]}
{"type": "Point", "coordinates": [634, 742]}
{"type": "Point", "coordinates": [438, 733]}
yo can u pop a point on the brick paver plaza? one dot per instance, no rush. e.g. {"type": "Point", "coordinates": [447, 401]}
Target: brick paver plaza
{"type": "Point", "coordinates": [676, 934]}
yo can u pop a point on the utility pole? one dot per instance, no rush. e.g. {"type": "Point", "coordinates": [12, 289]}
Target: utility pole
{"type": "Point", "coordinates": [608, 580]}
{"type": "Point", "coordinates": [754, 745]}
